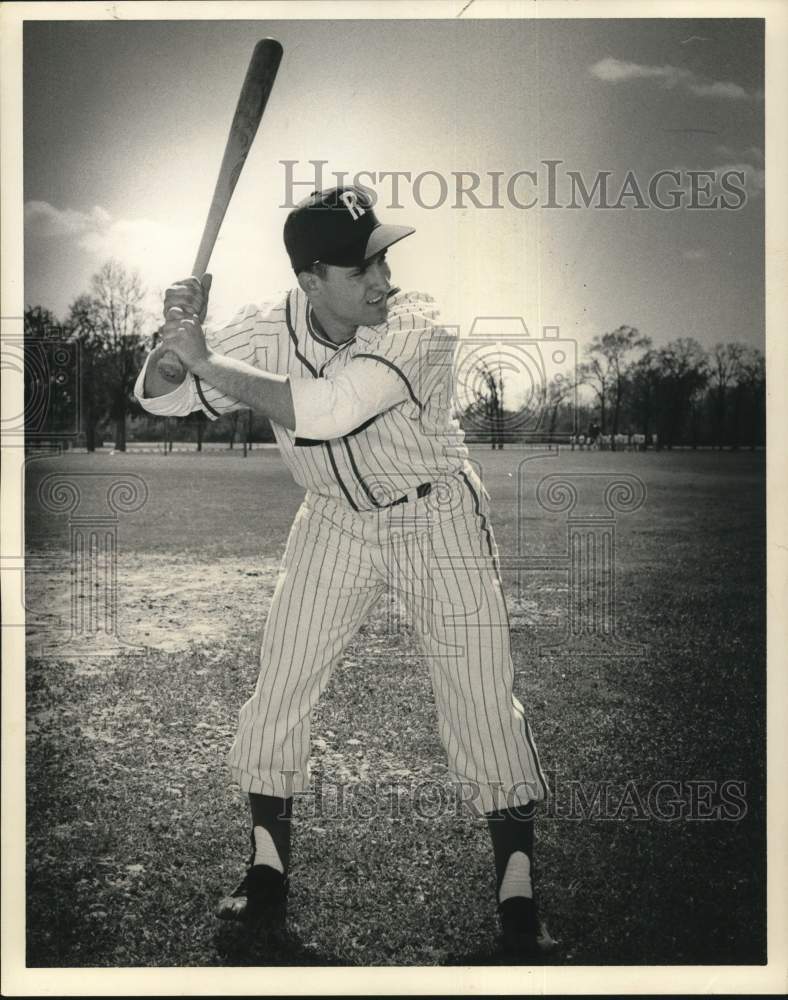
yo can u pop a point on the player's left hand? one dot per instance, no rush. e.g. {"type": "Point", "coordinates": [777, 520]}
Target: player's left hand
{"type": "Point", "coordinates": [184, 335]}
{"type": "Point", "coordinates": [189, 296]}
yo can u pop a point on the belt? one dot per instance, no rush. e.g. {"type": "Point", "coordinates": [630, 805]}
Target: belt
{"type": "Point", "coordinates": [422, 490]}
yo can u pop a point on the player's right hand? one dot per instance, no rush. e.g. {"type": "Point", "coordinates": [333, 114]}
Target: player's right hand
{"type": "Point", "coordinates": [189, 297]}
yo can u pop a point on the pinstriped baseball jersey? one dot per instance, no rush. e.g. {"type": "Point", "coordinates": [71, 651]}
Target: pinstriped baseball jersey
{"type": "Point", "coordinates": [366, 527]}
{"type": "Point", "coordinates": [391, 452]}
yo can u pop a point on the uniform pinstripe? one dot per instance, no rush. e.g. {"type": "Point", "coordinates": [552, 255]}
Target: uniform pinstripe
{"type": "Point", "coordinates": [350, 542]}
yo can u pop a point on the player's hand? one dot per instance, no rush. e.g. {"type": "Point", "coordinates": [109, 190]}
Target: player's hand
{"type": "Point", "coordinates": [184, 335]}
{"type": "Point", "coordinates": [189, 297]}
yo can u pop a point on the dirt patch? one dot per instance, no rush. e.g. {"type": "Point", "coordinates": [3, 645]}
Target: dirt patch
{"type": "Point", "coordinates": [154, 603]}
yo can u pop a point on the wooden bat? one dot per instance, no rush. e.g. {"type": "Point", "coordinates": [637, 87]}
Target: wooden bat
{"type": "Point", "coordinates": [256, 89]}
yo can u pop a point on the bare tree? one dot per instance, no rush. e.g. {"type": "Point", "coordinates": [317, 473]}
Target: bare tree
{"type": "Point", "coordinates": [233, 420]}
{"type": "Point", "coordinates": [488, 404]}
{"type": "Point", "coordinates": [608, 360]}
{"type": "Point", "coordinates": [85, 330]}
{"type": "Point", "coordinates": [749, 395]}
{"type": "Point", "coordinates": [643, 393]}
{"type": "Point", "coordinates": [109, 322]}
{"type": "Point", "coordinates": [683, 372]}
{"type": "Point", "coordinates": [724, 361]}
{"type": "Point", "coordinates": [559, 389]}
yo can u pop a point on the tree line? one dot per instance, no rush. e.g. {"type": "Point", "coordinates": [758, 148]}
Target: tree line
{"type": "Point", "coordinates": [681, 392]}
{"type": "Point", "coordinates": [112, 333]}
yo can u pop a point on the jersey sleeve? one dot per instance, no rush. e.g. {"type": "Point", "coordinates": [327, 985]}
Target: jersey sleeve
{"type": "Point", "coordinates": [235, 340]}
{"type": "Point", "coordinates": [182, 401]}
{"type": "Point", "coordinates": [414, 346]}
{"type": "Point", "coordinates": [403, 361]}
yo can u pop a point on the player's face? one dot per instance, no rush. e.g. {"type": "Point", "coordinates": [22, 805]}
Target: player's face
{"type": "Point", "coordinates": [349, 297]}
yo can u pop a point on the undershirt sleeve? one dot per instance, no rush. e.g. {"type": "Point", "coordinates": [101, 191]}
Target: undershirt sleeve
{"type": "Point", "coordinates": [328, 408]}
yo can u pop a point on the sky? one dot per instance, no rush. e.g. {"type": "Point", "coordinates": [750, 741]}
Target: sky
{"type": "Point", "coordinates": [125, 124]}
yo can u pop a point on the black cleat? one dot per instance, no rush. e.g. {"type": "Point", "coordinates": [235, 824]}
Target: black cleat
{"type": "Point", "coordinates": [260, 897]}
{"type": "Point", "coordinates": [523, 932]}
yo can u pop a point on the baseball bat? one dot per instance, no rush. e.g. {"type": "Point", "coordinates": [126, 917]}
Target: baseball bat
{"type": "Point", "coordinates": [256, 89]}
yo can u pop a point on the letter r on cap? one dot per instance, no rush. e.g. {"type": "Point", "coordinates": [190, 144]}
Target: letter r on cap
{"type": "Point", "coordinates": [351, 204]}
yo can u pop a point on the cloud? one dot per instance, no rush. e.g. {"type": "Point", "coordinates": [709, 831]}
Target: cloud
{"type": "Point", "coordinates": [612, 70]}
{"type": "Point", "coordinates": [96, 231]}
{"type": "Point", "coordinates": [95, 236]}
{"type": "Point", "coordinates": [50, 221]}
{"type": "Point", "coordinates": [754, 177]}
{"type": "Point", "coordinates": [718, 89]}
{"type": "Point", "coordinates": [80, 242]}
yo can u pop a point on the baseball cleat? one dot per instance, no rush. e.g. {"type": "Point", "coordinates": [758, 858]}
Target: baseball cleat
{"type": "Point", "coordinates": [260, 896]}
{"type": "Point", "coordinates": [523, 932]}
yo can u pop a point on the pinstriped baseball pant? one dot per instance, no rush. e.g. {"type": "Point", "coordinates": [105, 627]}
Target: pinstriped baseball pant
{"type": "Point", "coordinates": [438, 555]}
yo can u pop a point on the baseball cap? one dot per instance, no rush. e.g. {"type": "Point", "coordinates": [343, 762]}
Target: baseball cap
{"type": "Point", "coordinates": [337, 226]}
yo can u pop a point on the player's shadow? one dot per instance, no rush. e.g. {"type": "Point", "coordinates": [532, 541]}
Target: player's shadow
{"type": "Point", "coordinates": [238, 944]}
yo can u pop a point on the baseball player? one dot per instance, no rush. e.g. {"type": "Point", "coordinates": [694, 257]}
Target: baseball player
{"type": "Point", "coordinates": [356, 378]}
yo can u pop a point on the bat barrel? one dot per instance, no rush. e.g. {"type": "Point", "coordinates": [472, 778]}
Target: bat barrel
{"type": "Point", "coordinates": [255, 91]}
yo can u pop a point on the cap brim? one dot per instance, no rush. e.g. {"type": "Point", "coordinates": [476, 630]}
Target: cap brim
{"type": "Point", "coordinates": [380, 238]}
{"type": "Point", "coordinates": [384, 236]}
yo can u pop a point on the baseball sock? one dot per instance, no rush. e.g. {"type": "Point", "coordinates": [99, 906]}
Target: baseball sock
{"type": "Point", "coordinates": [517, 878]}
{"type": "Point", "coordinates": [512, 835]}
{"type": "Point", "coordinates": [265, 852]}
{"type": "Point", "coordinates": [271, 818]}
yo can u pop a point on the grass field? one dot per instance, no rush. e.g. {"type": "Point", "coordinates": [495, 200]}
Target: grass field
{"type": "Point", "coordinates": [134, 829]}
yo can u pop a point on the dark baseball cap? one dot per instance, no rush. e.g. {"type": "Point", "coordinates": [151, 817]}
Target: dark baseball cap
{"type": "Point", "coordinates": [337, 226]}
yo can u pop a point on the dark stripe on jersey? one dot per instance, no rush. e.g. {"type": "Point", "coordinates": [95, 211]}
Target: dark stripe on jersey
{"type": "Point", "coordinates": [362, 427]}
{"type": "Point", "coordinates": [393, 367]}
{"type": "Point", "coordinates": [479, 514]}
{"type": "Point", "coordinates": [370, 496]}
{"type": "Point", "coordinates": [313, 370]}
{"type": "Point", "coordinates": [337, 347]}
{"type": "Point", "coordinates": [319, 337]}
{"type": "Point", "coordinates": [203, 400]}
{"type": "Point", "coordinates": [294, 338]}
{"type": "Point", "coordinates": [311, 442]}
{"type": "Point", "coordinates": [332, 460]}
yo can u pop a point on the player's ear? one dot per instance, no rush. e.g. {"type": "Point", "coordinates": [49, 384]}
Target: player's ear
{"type": "Point", "coordinates": [309, 282]}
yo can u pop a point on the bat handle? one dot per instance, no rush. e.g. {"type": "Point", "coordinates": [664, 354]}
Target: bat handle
{"type": "Point", "coordinates": [169, 364]}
